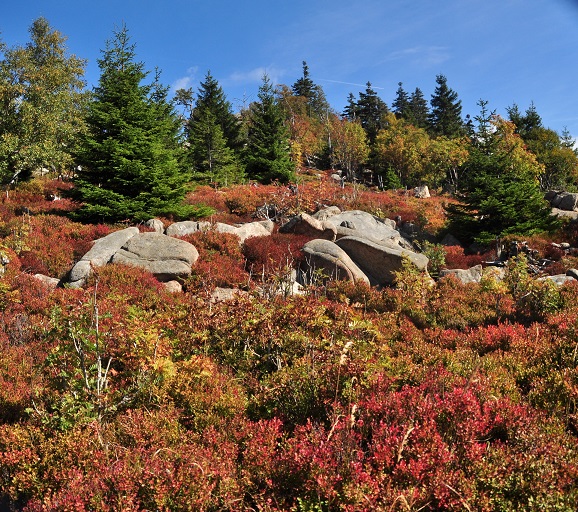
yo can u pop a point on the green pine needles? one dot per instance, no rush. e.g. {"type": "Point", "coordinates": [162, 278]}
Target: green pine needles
{"type": "Point", "coordinates": [500, 192]}
{"type": "Point", "coordinates": [130, 157]}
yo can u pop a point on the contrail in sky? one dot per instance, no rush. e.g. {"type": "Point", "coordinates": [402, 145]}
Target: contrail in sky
{"type": "Point", "coordinates": [347, 83]}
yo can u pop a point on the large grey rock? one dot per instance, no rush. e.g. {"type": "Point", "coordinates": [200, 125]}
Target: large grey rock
{"type": "Point", "coordinates": [421, 192]}
{"type": "Point", "coordinates": [243, 231]}
{"type": "Point", "coordinates": [559, 279]}
{"type": "Point", "coordinates": [471, 275]}
{"type": "Point", "coordinates": [332, 261]}
{"type": "Point", "coordinates": [99, 255]}
{"type": "Point", "coordinates": [361, 224]}
{"type": "Point", "coordinates": [226, 294]}
{"type": "Point", "coordinates": [308, 225]}
{"type": "Point", "coordinates": [573, 215]}
{"type": "Point", "coordinates": [50, 282]}
{"type": "Point", "coordinates": [186, 227]}
{"type": "Point", "coordinates": [568, 202]}
{"type": "Point", "coordinates": [248, 230]}
{"type": "Point", "coordinates": [573, 273]}
{"type": "Point", "coordinates": [326, 212]}
{"type": "Point", "coordinates": [173, 287]}
{"type": "Point", "coordinates": [167, 258]}
{"type": "Point", "coordinates": [156, 225]}
{"type": "Point", "coordinates": [380, 261]}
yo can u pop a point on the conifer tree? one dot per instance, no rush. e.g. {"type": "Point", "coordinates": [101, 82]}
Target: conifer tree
{"type": "Point", "coordinates": [445, 117]}
{"type": "Point", "coordinates": [211, 97]}
{"type": "Point", "coordinates": [41, 104]}
{"type": "Point", "coordinates": [551, 150]}
{"type": "Point", "coordinates": [317, 106]}
{"type": "Point", "coordinates": [371, 112]}
{"type": "Point", "coordinates": [214, 160]}
{"type": "Point", "coordinates": [213, 134]}
{"type": "Point", "coordinates": [501, 194]}
{"type": "Point", "coordinates": [401, 103]}
{"type": "Point", "coordinates": [418, 111]}
{"type": "Point", "coordinates": [130, 156]}
{"type": "Point", "coordinates": [267, 154]}
{"type": "Point", "coordinates": [351, 108]}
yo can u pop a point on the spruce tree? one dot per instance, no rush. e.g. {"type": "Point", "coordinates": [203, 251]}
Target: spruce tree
{"type": "Point", "coordinates": [551, 150]}
{"type": "Point", "coordinates": [401, 103]}
{"type": "Point", "coordinates": [41, 104]}
{"type": "Point", "coordinates": [267, 153]}
{"type": "Point", "coordinates": [214, 161]}
{"type": "Point", "coordinates": [418, 111]}
{"type": "Point", "coordinates": [212, 132]}
{"type": "Point", "coordinates": [317, 106]}
{"type": "Point", "coordinates": [445, 117]}
{"type": "Point", "coordinates": [501, 194]}
{"type": "Point", "coordinates": [351, 109]}
{"type": "Point", "coordinates": [371, 111]}
{"type": "Point", "coordinates": [211, 98]}
{"type": "Point", "coordinates": [130, 156]}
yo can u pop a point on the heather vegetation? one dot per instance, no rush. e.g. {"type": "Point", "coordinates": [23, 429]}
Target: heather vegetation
{"type": "Point", "coordinates": [424, 395]}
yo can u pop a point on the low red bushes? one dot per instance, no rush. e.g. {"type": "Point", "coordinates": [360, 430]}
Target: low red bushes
{"type": "Point", "coordinates": [269, 256]}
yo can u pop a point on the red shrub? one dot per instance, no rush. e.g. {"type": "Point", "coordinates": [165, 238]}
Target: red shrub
{"type": "Point", "coordinates": [271, 255]}
{"type": "Point", "coordinates": [457, 258]}
{"type": "Point", "coordinates": [220, 260]}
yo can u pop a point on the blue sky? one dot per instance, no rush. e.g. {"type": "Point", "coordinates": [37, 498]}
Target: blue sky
{"type": "Point", "coordinates": [502, 51]}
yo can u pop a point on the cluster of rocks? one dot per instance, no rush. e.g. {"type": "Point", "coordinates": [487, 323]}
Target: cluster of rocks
{"type": "Point", "coordinates": [160, 252]}
{"type": "Point", "coordinates": [352, 245]}
{"type": "Point", "coordinates": [564, 204]}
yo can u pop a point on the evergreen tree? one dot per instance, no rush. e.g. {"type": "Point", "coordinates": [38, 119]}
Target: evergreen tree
{"type": "Point", "coordinates": [401, 103]}
{"type": "Point", "coordinates": [130, 161]}
{"type": "Point", "coordinates": [215, 161]}
{"type": "Point", "coordinates": [212, 132]}
{"type": "Point", "coordinates": [268, 153]}
{"type": "Point", "coordinates": [371, 112]}
{"type": "Point", "coordinates": [351, 109]}
{"type": "Point", "coordinates": [418, 111]}
{"type": "Point", "coordinates": [211, 97]}
{"type": "Point", "coordinates": [41, 104]}
{"type": "Point", "coordinates": [317, 105]}
{"type": "Point", "coordinates": [445, 117]}
{"type": "Point", "coordinates": [567, 140]}
{"type": "Point", "coordinates": [501, 195]}
{"type": "Point", "coordinates": [552, 150]}
{"type": "Point", "coordinates": [525, 123]}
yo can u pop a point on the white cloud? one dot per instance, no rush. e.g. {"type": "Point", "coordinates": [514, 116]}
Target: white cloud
{"type": "Point", "coordinates": [186, 81]}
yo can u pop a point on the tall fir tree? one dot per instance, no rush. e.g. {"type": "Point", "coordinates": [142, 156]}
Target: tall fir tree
{"type": "Point", "coordinates": [211, 97]}
{"type": "Point", "coordinates": [215, 161]}
{"type": "Point", "coordinates": [526, 122]}
{"type": "Point", "coordinates": [371, 112]}
{"type": "Point", "coordinates": [130, 156]}
{"type": "Point", "coordinates": [445, 117]}
{"type": "Point", "coordinates": [42, 102]}
{"type": "Point", "coordinates": [317, 105]}
{"type": "Point", "coordinates": [213, 133]}
{"type": "Point", "coordinates": [351, 109]}
{"type": "Point", "coordinates": [267, 154]}
{"type": "Point", "coordinates": [418, 111]}
{"type": "Point", "coordinates": [401, 103]}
